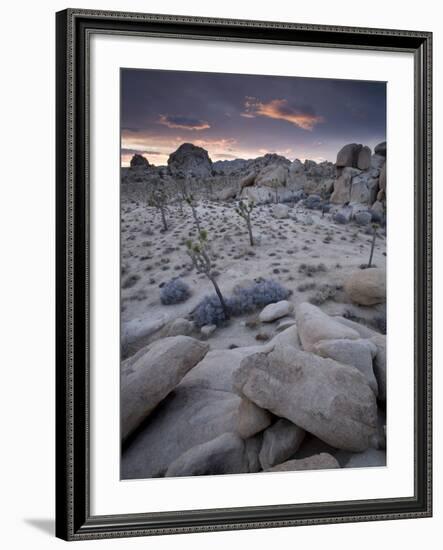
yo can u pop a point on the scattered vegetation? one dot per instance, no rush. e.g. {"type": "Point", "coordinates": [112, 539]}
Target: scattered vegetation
{"type": "Point", "coordinates": [310, 269]}
{"type": "Point", "coordinates": [324, 292]}
{"type": "Point", "coordinates": [375, 226]}
{"type": "Point", "coordinates": [244, 300]}
{"type": "Point", "coordinates": [174, 291]}
{"type": "Point", "coordinates": [158, 199]}
{"type": "Point", "coordinates": [200, 256]}
{"type": "Point", "coordinates": [244, 211]}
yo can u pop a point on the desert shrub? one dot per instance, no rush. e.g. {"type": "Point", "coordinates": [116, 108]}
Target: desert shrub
{"type": "Point", "coordinates": [244, 300]}
{"type": "Point", "coordinates": [363, 218]}
{"type": "Point", "coordinates": [323, 293]}
{"type": "Point", "coordinates": [306, 286]}
{"type": "Point", "coordinates": [339, 218]}
{"type": "Point", "coordinates": [260, 294]}
{"type": "Point", "coordinates": [130, 281]}
{"type": "Point", "coordinates": [310, 269]}
{"type": "Point", "coordinates": [209, 312]}
{"type": "Point", "coordinates": [174, 292]}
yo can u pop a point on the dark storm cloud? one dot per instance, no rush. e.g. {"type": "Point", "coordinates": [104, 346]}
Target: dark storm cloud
{"type": "Point", "coordinates": [245, 116]}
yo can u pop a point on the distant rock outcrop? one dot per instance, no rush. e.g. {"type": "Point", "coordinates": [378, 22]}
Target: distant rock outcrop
{"type": "Point", "coordinates": [190, 160]}
{"type": "Point", "coordinates": [139, 161]}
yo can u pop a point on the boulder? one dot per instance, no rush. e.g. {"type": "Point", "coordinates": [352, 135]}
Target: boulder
{"type": "Point", "coordinates": [378, 209]}
{"type": "Point", "coordinates": [363, 218]}
{"type": "Point", "coordinates": [322, 461]}
{"type": "Point", "coordinates": [382, 178]}
{"type": "Point", "coordinates": [251, 419]}
{"type": "Point", "coordinates": [207, 330]}
{"type": "Point", "coordinates": [364, 158]}
{"type": "Point", "coordinates": [280, 211]}
{"type": "Point", "coordinates": [330, 400]}
{"type": "Point", "coordinates": [287, 337]}
{"type": "Point", "coordinates": [348, 155]}
{"type": "Point", "coordinates": [189, 416]}
{"type": "Point", "coordinates": [225, 454]}
{"type": "Point", "coordinates": [356, 353]}
{"type": "Point", "coordinates": [380, 149]}
{"type": "Point", "coordinates": [180, 327]}
{"type": "Point", "coordinates": [297, 167]}
{"type": "Point", "coordinates": [377, 162]}
{"type": "Point", "coordinates": [273, 175]}
{"type": "Point", "coordinates": [380, 364]}
{"type": "Point", "coordinates": [189, 160]}
{"type": "Point", "coordinates": [139, 161]}
{"type": "Point", "coordinates": [247, 180]}
{"type": "Point", "coordinates": [363, 330]}
{"type": "Point", "coordinates": [314, 325]}
{"type": "Point", "coordinates": [285, 323]}
{"type": "Point", "coordinates": [342, 185]}
{"type": "Point", "coordinates": [154, 375]}
{"type": "Point", "coordinates": [368, 458]}
{"type": "Point", "coordinates": [364, 188]}
{"type": "Point", "coordinates": [280, 441]}
{"type": "Point", "coordinates": [343, 215]}
{"type": "Point", "coordinates": [275, 311]}
{"type": "Point", "coordinates": [367, 287]}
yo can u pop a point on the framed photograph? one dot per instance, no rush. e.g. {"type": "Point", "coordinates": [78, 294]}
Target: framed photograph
{"type": "Point", "coordinates": [243, 274]}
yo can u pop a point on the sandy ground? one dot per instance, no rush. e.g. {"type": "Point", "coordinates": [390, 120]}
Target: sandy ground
{"type": "Point", "coordinates": [151, 257]}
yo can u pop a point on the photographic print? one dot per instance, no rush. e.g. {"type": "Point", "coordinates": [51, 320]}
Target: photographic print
{"type": "Point", "coordinates": [253, 273]}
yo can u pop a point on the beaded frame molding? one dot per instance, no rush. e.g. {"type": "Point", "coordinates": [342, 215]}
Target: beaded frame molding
{"type": "Point", "coordinates": [74, 28]}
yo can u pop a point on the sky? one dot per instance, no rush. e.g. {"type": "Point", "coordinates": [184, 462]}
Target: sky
{"type": "Point", "coordinates": [246, 116]}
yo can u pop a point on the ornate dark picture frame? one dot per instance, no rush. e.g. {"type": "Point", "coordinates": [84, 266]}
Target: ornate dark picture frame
{"type": "Point", "coordinates": [73, 517]}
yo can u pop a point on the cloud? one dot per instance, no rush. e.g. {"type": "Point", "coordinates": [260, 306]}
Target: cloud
{"type": "Point", "coordinates": [279, 109]}
{"type": "Point", "coordinates": [139, 152]}
{"type": "Point", "coordinates": [183, 122]}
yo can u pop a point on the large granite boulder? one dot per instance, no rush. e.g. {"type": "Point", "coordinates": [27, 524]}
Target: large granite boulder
{"type": "Point", "coordinates": [139, 162]}
{"type": "Point", "coordinates": [280, 441]}
{"type": "Point", "coordinates": [367, 287]}
{"type": "Point", "coordinates": [190, 160]}
{"type": "Point", "coordinates": [322, 461]}
{"type": "Point", "coordinates": [156, 372]}
{"type": "Point", "coordinates": [380, 364]}
{"type": "Point", "coordinates": [343, 184]}
{"type": "Point", "coordinates": [364, 158]}
{"type": "Point", "coordinates": [380, 149]}
{"type": "Point", "coordinates": [226, 454]}
{"type": "Point", "coordinates": [348, 155]}
{"type": "Point", "coordinates": [356, 353]}
{"type": "Point", "coordinates": [314, 325]}
{"type": "Point", "coordinates": [328, 399]}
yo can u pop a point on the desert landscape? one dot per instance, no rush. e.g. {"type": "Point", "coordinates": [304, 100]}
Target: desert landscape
{"type": "Point", "coordinates": [253, 313]}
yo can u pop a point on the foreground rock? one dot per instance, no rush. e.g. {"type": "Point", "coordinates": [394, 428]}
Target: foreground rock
{"type": "Point", "coordinates": [201, 408]}
{"type": "Point", "coordinates": [280, 441]}
{"type": "Point", "coordinates": [225, 454]}
{"type": "Point", "coordinates": [322, 461]}
{"type": "Point", "coordinates": [380, 364]}
{"type": "Point", "coordinates": [328, 399]}
{"type": "Point", "coordinates": [371, 457]}
{"type": "Point", "coordinates": [154, 375]}
{"type": "Point", "coordinates": [356, 353]}
{"type": "Point", "coordinates": [367, 287]}
{"type": "Point", "coordinates": [272, 312]}
{"type": "Point", "coordinates": [314, 326]}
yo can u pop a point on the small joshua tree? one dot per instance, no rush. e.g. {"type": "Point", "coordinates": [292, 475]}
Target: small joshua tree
{"type": "Point", "coordinates": [375, 226]}
{"type": "Point", "coordinates": [189, 199]}
{"type": "Point", "coordinates": [199, 254]}
{"type": "Point", "coordinates": [244, 211]}
{"type": "Point", "coordinates": [158, 199]}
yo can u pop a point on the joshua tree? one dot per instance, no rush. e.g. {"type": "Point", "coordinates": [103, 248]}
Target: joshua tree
{"type": "Point", "coordinates": [199, 254]}
{"type": "Point", "coordinates": [244, 211]}
{"type": "Point", "coordinates": [375, 226]}
{"type": "Point", "coordinates": [158, 199]}
{"type": "Point", "coordinates": [189, 199]}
